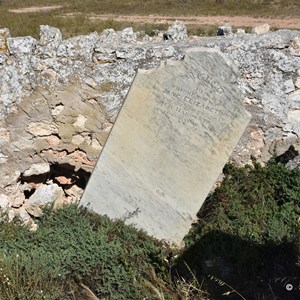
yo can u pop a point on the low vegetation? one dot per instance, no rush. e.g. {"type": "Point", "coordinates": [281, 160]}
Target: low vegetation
{"type": "Point", "coordinates": [247, 236]}
{"type": "Point", "coordinates": [74, 16]}
{"type": "Point", "coordinates": [73, 249]}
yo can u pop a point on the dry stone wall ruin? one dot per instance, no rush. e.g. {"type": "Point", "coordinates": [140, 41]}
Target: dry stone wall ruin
{"type": "Point", "coordinates": [59, 99]}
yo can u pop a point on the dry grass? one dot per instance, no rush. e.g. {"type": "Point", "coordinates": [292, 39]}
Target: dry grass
{"type": "Point", "coordinates": [172, 7]}
{"type": "Point", "coordinates": [28, 23]}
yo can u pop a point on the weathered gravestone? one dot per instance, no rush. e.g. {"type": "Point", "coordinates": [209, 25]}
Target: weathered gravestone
{"type": "Point", "coordinates": [174, 133]}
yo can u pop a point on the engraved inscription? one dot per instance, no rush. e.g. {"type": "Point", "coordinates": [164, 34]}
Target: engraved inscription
{"type": "Point", "coordinates": [207, 79]}
{"type": "Point", "coordinates": [176, 130]}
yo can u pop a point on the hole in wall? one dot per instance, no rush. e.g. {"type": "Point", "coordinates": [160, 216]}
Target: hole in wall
{"type": "Point", "coordinates": [287, 156]}
{"type": "Point", "coordinates": [64, 175]}
{"type": "Point", "coordinates": [80, 177]}
{"type": "Point", "coordinates": [28, 193]}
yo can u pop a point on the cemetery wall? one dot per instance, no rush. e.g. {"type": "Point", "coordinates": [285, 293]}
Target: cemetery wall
{"type": "Point", "coordinates": [59, 99]}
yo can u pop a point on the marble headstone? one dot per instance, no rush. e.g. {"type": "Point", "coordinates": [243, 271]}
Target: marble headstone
{"type": "Point", "coordinates": [175, 131]}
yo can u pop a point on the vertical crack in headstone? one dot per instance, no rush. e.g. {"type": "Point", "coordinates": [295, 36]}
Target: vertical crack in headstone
{"type": "Point", "coordinates": [177, 128]}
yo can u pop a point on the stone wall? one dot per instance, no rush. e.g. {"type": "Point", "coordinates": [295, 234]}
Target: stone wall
{"type": "Point", "coordinates": [59, 99]}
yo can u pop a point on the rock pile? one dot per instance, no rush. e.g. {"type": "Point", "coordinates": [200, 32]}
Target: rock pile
{"type": "Point", "coordinates": [59, 99]}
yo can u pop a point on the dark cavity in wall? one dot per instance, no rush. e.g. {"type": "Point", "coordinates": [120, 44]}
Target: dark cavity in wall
{"type": "Point", "coordinates": [287, 156]}
{"type": "Point", "coordinates": [63, 175]}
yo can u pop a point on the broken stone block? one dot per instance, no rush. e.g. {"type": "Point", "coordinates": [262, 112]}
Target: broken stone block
{"type": "Point", "coordinates": [297, 83]}
{"type": "Point", "coordinates": [18, 200]}
{"type": "Point", "coordinates": [176, 32]}
{"type": "Point", "coordinates": [34, 227]}
{"type": "Point", "coordinates": [294, 99]}
{"type": "Point", "coordinates": [50, 37]}
{"type": "Point", "coordinates": [3, 158]}
{"type": "Point", "coordinates": [75, 193]}
{"type": "Point", "coordinates": [4, 201]}
{"type": "Point", "coordinates": [10, 175]}
{"type": "Point", "coordinates": [225, 30]}
{"type": "Point", "coordinates": [42, 129]}
{"type": "Point", "coordinates": [288, 86]}
{"type": "Point", "coordinates": [128, 34]}
{"type": "Point", "coordinates": [37, 169]}
{"type": "Point", "coordinates": [20, 46]}
{"type": "Point", "coordinates": [78, 48]}
{"type": "Point", "coordinates": [23, 215]}
{"type": "Point", "coordinates": [295, 46]}
{"type": "Point", "coordinates": [45, 194]}
{"type": "Point", "coordinates": [240, 31]}
{"type": "Point", "coordinates": [4, 136]}
{"type": "Point", "coordinates": [261, 29]}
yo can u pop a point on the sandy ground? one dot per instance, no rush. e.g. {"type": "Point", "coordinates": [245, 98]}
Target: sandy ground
{"type": "Point", "coordinates": [238, 21]}
{"type": "Point", "coordinates": [34, 9]}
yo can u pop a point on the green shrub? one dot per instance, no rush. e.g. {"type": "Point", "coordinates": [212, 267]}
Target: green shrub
{"type": "Point", "coordinates": [72, 247]}
{"type": "Point", "coordinates": [248, 232]}
{"type": "Point", "coordinates": [259, 204]}
{"type": "Point", "coordinates": [247, 229]}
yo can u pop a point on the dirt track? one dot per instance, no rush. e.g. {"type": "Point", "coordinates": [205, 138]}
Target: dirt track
{"type": "Point", "coordinates": [242, 21]}
{"type": "Point", "coordinates": [34, 9]}
{"type": "Point", "coordinates": [237, 21]}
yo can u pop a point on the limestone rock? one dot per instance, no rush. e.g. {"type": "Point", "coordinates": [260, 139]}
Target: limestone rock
{"type": "Point", "coordinates": [108, 36]}
{"type": "Point", "coordinates": [34, 227]}
{"type": "Point", "coordinates": [176, 32]}
{"type": "Point", "coordinates": [19, 46]}
{"type": "Point", "coordinates": [288, 86]}
{"type": "Point", "coordinates": [4, 136]}
{"type": "Point", "coordinates": [261, 29]}
{"type": "Point", "coordinates": [240, 31]}
{"type": "Point", "coordinates": [37, 169]}
{"type": "Point", "coordinates": [78, 48]}
{"type": "Point", "coordinates": [3, 57]}
{"type": "Point", "coordinates": [10, 175]}
{"type": "Point", "coordinates": [4, 201]}
{"type": "Point", "coordinates": [50, 37]}
{"type": "Point", "coordinates": [294, 99]}
{"type": "Point", "coordinates": [45, 194]}
{"type": "Point", "coordinates": [78, 139]}
{"type": "Point", "coordinates": [45, 86]}
{"type": "Point", "coordinates": [23, 215]}
{"type": "Point", "coordinates": [42, 129]}
{"type": "Point", "coordinates": [74, 193]}
{"type": "Point", "coordinates": [128, 34]}
{"type": "Point", "coordinates": [225, 30]}
{"type": "Point", "coordinates": [293, 122]}
{"type": "Point", "coordinates": [18, 200]}
{"type": "Point", "coordinates": [295, 46]}
{"type": "Point", "coordinates": [80, 122]}
{"type": "Point", "coordinates": [3, 158]}
{"type": "Point", "coordinates": [297, 83]}
{"type": "Point", "coordinates": [11, 214]}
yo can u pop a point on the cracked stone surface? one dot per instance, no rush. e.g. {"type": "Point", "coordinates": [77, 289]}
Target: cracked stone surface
{"type": "Point", "coordinates": [60, 98]}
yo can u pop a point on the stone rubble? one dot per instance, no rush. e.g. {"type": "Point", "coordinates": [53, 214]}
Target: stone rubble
{"type": "Point", "coordinates": [59, 100]}
{"type": "Point", "coordinates": [261, 29]}
{"type": "Point", "coordinates": [227, 30]}
{"type": "Point", "coordinates": [176, 32]}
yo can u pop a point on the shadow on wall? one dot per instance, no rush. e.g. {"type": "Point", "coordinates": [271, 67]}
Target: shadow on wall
{"type": "Point", "coordinates": [227, 266]}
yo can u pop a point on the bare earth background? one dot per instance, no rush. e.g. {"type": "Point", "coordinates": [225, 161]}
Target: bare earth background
{"type": "Point", "coordinates": [243, 21]}
{"type": "Point", "coordinates": [75, 17]}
